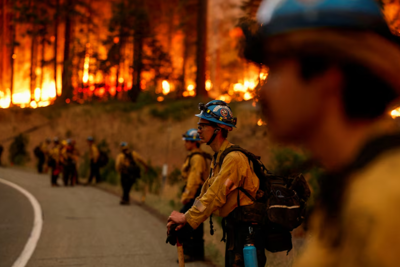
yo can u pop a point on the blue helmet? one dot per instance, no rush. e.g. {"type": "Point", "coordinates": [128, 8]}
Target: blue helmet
{"type": "Point", "coordinates": [191, 135]}
{"type": "Point", "coordinates": [284, 16]}
{"type": "Point", "coordinates": [217, 111]}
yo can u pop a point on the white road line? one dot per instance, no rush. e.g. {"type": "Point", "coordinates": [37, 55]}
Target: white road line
{"type": "Point", "coordinates": [37, 226]}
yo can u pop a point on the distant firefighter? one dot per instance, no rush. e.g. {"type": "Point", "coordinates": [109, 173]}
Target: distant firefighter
{"type": "Point", "coordinates": [54, 161]}
{"type": "Point", "coordinates": [40, 153]}
{"type": "Point", "coordinates": [127, 165]}
{"type": "Point", "coordinates": [94, 155]}
{"type": "Point", "coordinates": [69, 156]}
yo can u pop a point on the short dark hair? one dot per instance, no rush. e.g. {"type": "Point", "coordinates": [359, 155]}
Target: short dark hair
{"type": "Point", "coordinates": [365, 95]}
{"type": "Point", "coordinates": [197, 143]}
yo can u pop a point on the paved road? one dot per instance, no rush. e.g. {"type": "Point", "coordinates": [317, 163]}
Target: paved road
{"type": "Point", "coordinates": [83, 226]}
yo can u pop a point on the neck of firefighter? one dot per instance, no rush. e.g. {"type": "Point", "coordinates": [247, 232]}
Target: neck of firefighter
{"type": "Point", "coordinates": [338, 140]}
{"type": "Point", "coordinates": [217, 143]}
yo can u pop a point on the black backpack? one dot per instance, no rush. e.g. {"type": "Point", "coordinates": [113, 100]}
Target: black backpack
{"type": "Point", "coordinates": [103, 158]}
{"type": "Point", "coordinates": [284, 199]}
{"type": "Point", "coordinates": [133, 169]}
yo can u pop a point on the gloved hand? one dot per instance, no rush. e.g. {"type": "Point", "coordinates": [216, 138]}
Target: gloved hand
{"type": "Point", "coordinates": [182, 234]}
{"type": "Point", "coordinates": [172, 235]}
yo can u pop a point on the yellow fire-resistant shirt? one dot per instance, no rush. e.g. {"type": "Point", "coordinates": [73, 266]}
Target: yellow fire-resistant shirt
{"type": "Point", "coordinates": [122, 161]}
{"type": "Point", "coordinates": [94, 153]}
{"type": "Point", "coordinates": [55, 153]}
{"type": "Point", "coordinates": [194, 173]}
{"type": "Point", "coordinates": [219, 192]}
{"type": "Point", "coordinates": [370, 221]}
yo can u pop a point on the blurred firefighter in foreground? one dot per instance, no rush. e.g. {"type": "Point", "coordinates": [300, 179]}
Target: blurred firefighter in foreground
{"type": "Point", "coordinates": [220, 193]}
{"type": "Point", "coordinates": [70, 155]}
{"type": "Point", "coordinates": [194, 172]}
{"type": "Point", "coordinates": [54, 161]}
{"type": "Point", "coordinates": [333, 76]}
{"type": "Point", "coordinates": [127, 165]}
{"type": "Point", "coordinates": [41, 153]}
{"type": "Point", "coordinates": [94, 155]}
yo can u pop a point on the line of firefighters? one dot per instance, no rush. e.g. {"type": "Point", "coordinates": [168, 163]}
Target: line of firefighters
{"type": "Point", "coordinates": [61, 157]}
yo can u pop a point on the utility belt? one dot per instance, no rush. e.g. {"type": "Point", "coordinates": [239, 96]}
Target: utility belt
{"type": "Point", "coordinates": [253, 214]}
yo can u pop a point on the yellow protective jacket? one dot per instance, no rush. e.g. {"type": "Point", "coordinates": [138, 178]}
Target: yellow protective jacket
{"type": "Point", "coordinates": [194, 172]}
{"type": "Point", "coordinates": [219, 192]}
{"type": "Point", "coordinates": [123, 160]}
{"type": "Point", "coordinates": [94, 153]}
{"type": "Point", "coordinates": [369, 220]}
{"type": "Point", "coordinates": [55, 153]}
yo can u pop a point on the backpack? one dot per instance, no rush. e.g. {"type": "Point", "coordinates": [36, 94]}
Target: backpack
{"type": "Point", "coordinates": [38, 152]}
{"type": "Point", "coordinates": [133, 169]}
{"type": "Point", "coordinates": [103, 158]}
{"type": "Point", "coordinates": [284, 200]}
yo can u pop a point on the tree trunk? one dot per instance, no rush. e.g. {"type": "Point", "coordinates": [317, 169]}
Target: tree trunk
{"type": "Point", "coordinates": [201, 48]}
{"type": "Point", "coordinates": [56, 15]}
{"type": "Point", "coordinates": [42, 61]}
{"type": "Point", "coordinates": [33, 64]}
{"type": "Point", "coordinates": [12, 56]}
{"type": "Point", "coordinates": [67, 64]}
{"type": "Point", "coordinates": [185, 56]}
{"type": "Point", "coordinates": [137, 66]}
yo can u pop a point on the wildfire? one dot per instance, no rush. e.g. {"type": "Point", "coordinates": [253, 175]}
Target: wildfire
{"type": "Point", "coordinates": [189, 91]}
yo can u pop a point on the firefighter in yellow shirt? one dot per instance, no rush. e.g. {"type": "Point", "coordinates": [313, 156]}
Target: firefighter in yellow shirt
{"type": "Point", "coordinates": [127, 165]}
{"type": "Point", "coordinates": [194, 172]}
{"type": "Point", "coordinates": [220, 194]}
{"type": "Point", "coordinates": [70, 156]}
{"type": "Point", "coordinates": [333, 78]}
{"type": "Point", "coordinates": [94, 164]}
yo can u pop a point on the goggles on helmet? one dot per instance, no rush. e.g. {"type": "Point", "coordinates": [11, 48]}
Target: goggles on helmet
{"type": "Point", "coordinates": [204, 108]}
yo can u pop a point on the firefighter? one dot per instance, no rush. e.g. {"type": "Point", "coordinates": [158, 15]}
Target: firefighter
{"type": "Point", "coordinates": [54, 161]}
{"type": "Point", "coordinates": [127, 165]}
{"type": "Point", "coordinates": [70, 158]}
{"type": "Point", "coordinates": [94, 164]}
{"type": "Point", "coordinates": [194, 172]}
{"type": "Point", "coordinates": [333, 78]}
{"type": "Point", "coordinates": [40, 152]}
{"type": "Point", "coordinates": [220, 194]}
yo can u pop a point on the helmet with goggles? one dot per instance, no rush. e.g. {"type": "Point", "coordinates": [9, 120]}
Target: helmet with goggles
{"type": "Point", "coordinates": [191, 135]}
{"type": "Point", "coordinates": [217, 111]}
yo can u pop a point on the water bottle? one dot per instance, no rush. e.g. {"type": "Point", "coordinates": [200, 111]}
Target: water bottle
{"type": "Point", "coordinates": [249, 251]}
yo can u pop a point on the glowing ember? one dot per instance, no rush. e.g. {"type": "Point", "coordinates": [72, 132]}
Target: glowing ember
{"type": "Point", "coordinates": [260, 122]}
{"type": "Point", "coordinates": [160, 99]}
{"type": "Point", "coordinates": [165, 88]}
{"type": "Point", "coordinates": [395, 113]}
{"type": "Point", "coordinates": [190, 87]}
{"type": "Point", "coordinates": [33, 104]}
{"type": "Point", "coordinates": [121, 80]}
{"type": "Point", "coordinates": [208, 85]}
{"type": "Point", "coordinates": [225, 98]}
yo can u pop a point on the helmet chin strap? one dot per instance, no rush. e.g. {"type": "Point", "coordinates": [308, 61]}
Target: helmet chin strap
{"type": "Point", "coordinates": [213, 136]}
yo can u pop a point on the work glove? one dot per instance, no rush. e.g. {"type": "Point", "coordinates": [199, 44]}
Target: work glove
{"type": "Point", "coordinates": [183, 234]}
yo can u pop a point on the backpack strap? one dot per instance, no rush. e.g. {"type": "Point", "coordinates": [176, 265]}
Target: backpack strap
{"type": "Point", "coordinates": [251, 157]}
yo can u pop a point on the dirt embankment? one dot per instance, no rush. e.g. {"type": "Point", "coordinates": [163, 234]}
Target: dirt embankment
{"type": "Point", "coordinates": [156, 139]}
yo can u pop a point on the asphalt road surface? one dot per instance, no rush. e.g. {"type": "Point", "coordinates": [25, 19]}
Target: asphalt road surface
{"type": "Point", "coordinates": [82, 226]}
